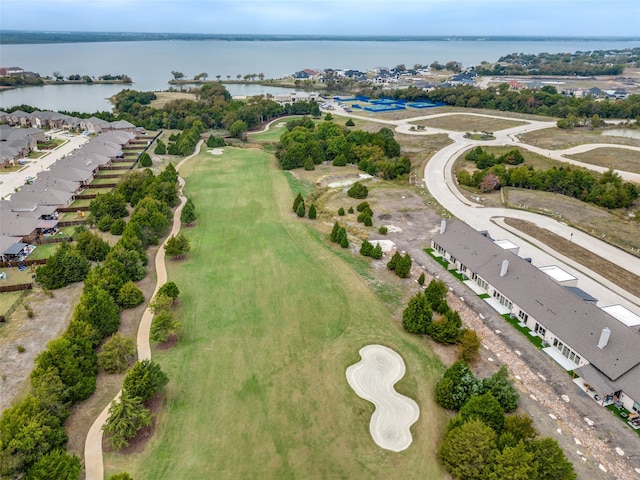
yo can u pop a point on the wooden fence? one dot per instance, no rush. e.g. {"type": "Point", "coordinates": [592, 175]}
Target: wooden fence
{"type": "Point", "coordinates": [16, 288]}
{"type": "Point", "coordinates": [28, 263]}
{"type": "Point", "coordinates": [12, 308]}
{"type": "Point", "coordinates": [44, 241]}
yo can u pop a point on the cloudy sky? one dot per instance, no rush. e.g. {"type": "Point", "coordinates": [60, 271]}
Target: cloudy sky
{"type": "Point", "coordinates": [357, 17]}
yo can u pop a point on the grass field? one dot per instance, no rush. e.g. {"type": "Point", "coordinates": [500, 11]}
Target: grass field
{"type": "Point", "coordinates": [469, 123]}
{"type": "Point", "coordinates": [272, 318]}
{"type": "Point", "coordinates": [560, 139]}
{"type": "Point", "coordinates": [617, 158]}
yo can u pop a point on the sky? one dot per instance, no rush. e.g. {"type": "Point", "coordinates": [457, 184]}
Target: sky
{"type": "Point", "coordinates": [340, 17]}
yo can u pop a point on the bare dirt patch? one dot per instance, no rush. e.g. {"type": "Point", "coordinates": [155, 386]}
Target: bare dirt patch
{"type": "Point", "coordinates": [615, 274]}
{"type": "Point", "coordinates": [612, 226]}
{"type": "Point", "coordinates": [615, 158]}
{"type": "Point", "coordinates": [469, 123]}
{"type": "Point", "coordinates": [52, 316]}
{"type": "Point", "coordinates": [560, 139]}
{"type": "Point", "coordinates": [165, 97]}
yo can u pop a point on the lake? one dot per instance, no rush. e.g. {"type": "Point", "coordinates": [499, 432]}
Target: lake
{"type": "Point", "coordinates": [149, 64]}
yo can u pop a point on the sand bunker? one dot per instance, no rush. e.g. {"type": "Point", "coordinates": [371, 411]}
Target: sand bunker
{"type": "Point", "coordinates": [349, 180]}
{"type": "Point", "coordinates": [373, 379]}
{"type": "Point", "coordinates": [216, 151]}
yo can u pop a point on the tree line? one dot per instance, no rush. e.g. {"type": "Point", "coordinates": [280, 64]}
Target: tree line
{"type": "Point", "coordinates": [32, 433]}
{"type": "Point", "coordinates": [606, 190]}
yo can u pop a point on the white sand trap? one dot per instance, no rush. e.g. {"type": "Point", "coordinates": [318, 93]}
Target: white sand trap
{"type": "Point", "coordinates": [216, 151]}
{"type": "Point", "coordinates": [373, 379]}
{"type": "Point", "coordinates": [385, 245]}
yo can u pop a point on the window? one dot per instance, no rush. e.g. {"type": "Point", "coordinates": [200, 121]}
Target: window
{"type": "Point", "coordinates": [540, 330]}
{"type": "Point", "coordinates": [523, 316]}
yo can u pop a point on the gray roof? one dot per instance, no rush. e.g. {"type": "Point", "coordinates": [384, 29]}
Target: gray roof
{"type": "Point", "coordinates": [577, 323]}
{"type": "Point", "coordinates": [15, 249]}
{"type": "Point", "coordinates": [580, 294]}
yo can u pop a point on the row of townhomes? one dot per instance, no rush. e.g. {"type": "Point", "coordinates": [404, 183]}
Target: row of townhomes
{"type": "Point", "coordinates": [32, 212]}
{"type": "Point", "coordinates": [600, 345]}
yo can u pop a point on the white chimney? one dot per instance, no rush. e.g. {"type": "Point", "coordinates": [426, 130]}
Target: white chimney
{"type": "Point", "coordinates": [443, 226]}
{"type": "Point", "coordinates": [504, 268]}
{"type": "Point", "coordinates": [604, 338]}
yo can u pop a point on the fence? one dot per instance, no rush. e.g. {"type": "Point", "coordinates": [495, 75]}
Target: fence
{"type": "Point", "coordinates": [15, 263]}
{"type": "Point", "coordinates": [16, 288]}
{"type": "Point", "coordinates": [103, 185]}
{"type": "Point", "coordinates": [12, 308]}
{"type": "Point", "coordinates": [43, 241]}
{"type": "Point", "coordinates": [71, 223]}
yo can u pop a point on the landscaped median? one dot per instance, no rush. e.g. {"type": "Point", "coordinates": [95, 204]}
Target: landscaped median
{"type": "Point", "coordinates": [271, 320]}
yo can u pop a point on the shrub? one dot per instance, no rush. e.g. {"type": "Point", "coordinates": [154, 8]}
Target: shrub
{"type": "Point", "coordinates": [341, 212]}
{"type": "Point", "coordinates": [403, 266]}
{"type": "Point", "coordinates": [312, 212]}
{"type": "Point", "coordinates": [486, 408]}
{"type": "Point", "coordinates": [502, 389]}
{"type": "Point", "coordinates": [349, 123]}
{"type": "Point", "coordinates": [376, 253]}
{"type": "Point", "coordinates": [358, 190]}
{"type": "Point", "coordinates": [383, 230]}
{"type": "Point", "coordinates": [465, 449]}
{"type": "Point", "coordinates": [469, 345]}
{"type": "Point", "coordinates": [65, 266]}
{"type": "Point", "coordinates": [421, 279]}
{"type": "Point", "coordinates": [126, 417]}
{"type": "Point", "coordinates": [340, 160]}
{"type": "Point", "coordinates": [333, 236]}
{"type": "Point", "coordinates": [92, 246]}
{"type": "Point", "coordinates": [416, 318]}
{"type": "Point", "coordinates": [301, 210]}
{"type": "Point", "coordinates": [366, 248]}
{"type": "Point", "coordinates": [297, 201]}
{"type": "Point", "coordinates": [308, 164]}
{"type": "Point", "coordinates": [170, 289]}
{"type": "Point", "coordinates": [350, 210]}
{"type": "Point", "coordinates": [129, 295]}
{"type": "Point", "coordinates": [393, 262]}
{"type": "Point", "coordinates": [457, 386]}
{"type": "Point", "coordinates": [144, 380]}
{"type": "Point", "coordinates": [362, 206]}
{"type": "Point", "coordinates": [145, 160]}
{"type": "Point", "coordinates": [117, 227]}
{"type": "Point", "coordinates": [116, 353]}
{"type": "Point", "coordinates": [368, 222]}
{"type": "Point", "coordinates": [98, 308]}
{"type": "Point", "coordinates": [163, 326]}
{"type": "Point", "coordinates": [344, 243]}
{"type": "Point", "coordinates": [188, 213]}
{"type": "Point", "coordinates": [328, 117]}
{"type": "Point", "coordinates": [104, 224]}
{"type": "Point", "coordinates": [161, 148]}
{"type": "Point", "coordinates": [213, 142]}
{"type": "Point", "coordinates": [121, 476]}
{"type": "Point", "coordinates": [177, 247]}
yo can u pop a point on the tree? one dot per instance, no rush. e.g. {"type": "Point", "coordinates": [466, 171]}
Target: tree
{"type": "Point", "coordinates": [129, 295]}
{"type": "Point", "coordinates": [177, 75]}
{"type": "Point", "coordinates": [376, 253]}
{"type": "Point", "coordinates": [358, 190]}
{"type": "Point", "coordinates": [312, 211]}
{"type": "Point", "coordinates": [297, 201]}
{"type": "Point", "coordinates": [116, 353]}
{"type": "Point", "coordinates": [436, 293]}
{"type": "Point", "coordinates": [333, 236]}
{"type": "Point", "coordinates": [368, 222]}
{"type": "Point", "coordinates": [188, 213]}
{"type": "Point", "coordinates": [65, 266]}
{"type": "Point", "coordinates": [344, 242]}
{"type": "Point", "coordinates": [447, 329]}
{"type": "Point", "coordinates": [421, 279]}
{"type": "Point", "coordinates": [403, 266]}
{"type": "Point", "coordinates": [469, 345]}
{"type": "Point", "coordinates": [161, 148]}
{"type": "Point", "coordinates": [123, 475]}
{"type": "Point", "coordinates": [502, 389]}
{"type": "Point", "coordinates": [171, 290]}
{"type": "Point", "coordinates": [520, 427]}
{"type": "Point", "coordinates": [341, 212]}
{"type": "Point", "coordinates": [416, 318]}
{"type": "Point", "coordinates": [486, 408]}
{"type": "Point", "coordinates": [117, 227]}
{"type": "Point", "coordinates": [349, 123]}
{"type": "Point", "coordinates": [92, 246]}
{"type": "Point", "coordinates": [366, 248]}
{"type": "Point", "coordinates": [393, 262]}
{"type": "Point", "coordinates": [552, 463]}
{"type": "Point", "coordinates": [308, 164]}
{"type": "Point", "coordinates": [56, 464]}
{"type": "Point", "coordinates": [144, 380]}
{"type": "Point", "coordinates": [514, 463]}
{"type": "Point", "coordinates": [127, 415]}
{"type": "Point", "coordinates": [467, 449]}
{"type": "Point", "coordinates": [238, 129]}
{"type": "Point", "coordinates": [145, 160]}
{"type": "Point", "coordinates": [177, 247]}
{"type": "Point", "coordinates": [99, 309]}
{"type": "Point", "coordinates": [163, 326]}
{"type": "Point", "coordinates": [301, 210]}
{"type": "Point", "coordinates": [456, 386]}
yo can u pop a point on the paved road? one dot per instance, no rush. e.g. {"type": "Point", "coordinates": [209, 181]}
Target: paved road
{"type": "Point", "coordinates": [10, 181]}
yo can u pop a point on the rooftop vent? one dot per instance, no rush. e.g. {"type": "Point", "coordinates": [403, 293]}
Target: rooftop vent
{"type": "Point", "coordinates": [604, 338]}
{"type": "Point", "coordinates": [443, 226]}
{"type": "Point", "coordinates": [504, 268]}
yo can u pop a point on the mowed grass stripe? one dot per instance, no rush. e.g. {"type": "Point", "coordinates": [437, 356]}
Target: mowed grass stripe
{"type": "Point", "coordinates": [272, 318]}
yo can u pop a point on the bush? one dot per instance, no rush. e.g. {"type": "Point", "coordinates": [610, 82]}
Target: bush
{"type": "Point", "coordinates": [177, 247]}
{"type": "Point", "coordinates": [121, 476]}
{"type": "Point", "coordinates": [358, 190]}
{"type": "Point", "coordinates": [297, 201]}
{"type": "Point", "coordinates": [92, 246]}
{"type": "Point", "coordinates": [368, 222]}
{"type": "Point", "coordinates": [393, 262]}
{"type": "Point", "coordinates": [383, 230]}
{"type": "Point", "coordinates": [486, 408]}
{"type": "Point", "coordinates": [161, 148]}
{"type": "Point", "coordinates": [350, 210]}
{"type": "Point", "coordinates": [56, 464]}
{"type": "Point", "coordinates": [349, 123]}
{"type": "Point", "coordinates": [308, 164]}
{"type": "Point", "coordinates": [126, 417]}
{"type": "Point", "coordinates": [465, 449]}
{"type": "Point", "coordinates": [376, 253]}
{"type": "Point", "coordinates": [104, 224]}
{"type": "Point", "coordinates": [344, 243]}
{"type": "Point", "coordinates": [416, 318]}
{"type": "Point", "coordinates": [469, 345]}
{"type": "Point", "coordinates": [457, 386]}
{"type": "Point", "coordinates": [116, 353]}
{"type": "Point", "coordinates": [188, 213]}
{"type": "Point", "coordinates": [301, 210]}
{"type": "Point", "coordinates": [312, 212]}
{"type": "Point", "coordinates": [130, 296]}
{"type": "Point", "coordinates": [340, 160]}
{"type": "Point", "coordinates": [341, 212]}
{"type": "Point", "coordinates": [163, 326]}
{"type": "Point", "coordinates": [65, 266]}
{"type": "Point", "coordinates": [421, 279]}
{"type": "Point", "coordinates": [144, 380]}
{"type": "Point", "coordinates": [362, 206]}
{"type": "Point", "coordinates": [213, 142]}
{"type": "Point", "coordinates": [403, 266]}
{"type": "Point", "coordinates": [117, 227]}
{"type": "Point", "coordinates": [171, 290]}
{"type": "Point", "coordinates": [145, 160]}
{"type": "Point", "coordinates": [366, 248]}
{"type": "Point", "coordinates": [502, 389]}
{"type": "Point", "coordinates": [98, 309]}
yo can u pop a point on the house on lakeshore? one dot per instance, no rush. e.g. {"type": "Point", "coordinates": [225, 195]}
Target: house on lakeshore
{"type": "Point", "coordinates": [577, 334]}
{"type": "Point", "coordinates": [16, 143]}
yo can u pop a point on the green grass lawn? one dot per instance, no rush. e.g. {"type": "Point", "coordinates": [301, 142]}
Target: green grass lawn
{"type": "Point", "coordinates": [272, 318]}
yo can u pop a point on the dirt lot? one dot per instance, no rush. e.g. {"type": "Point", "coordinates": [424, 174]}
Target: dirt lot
{"type": "Point", "coordinates": [469, 123]}
{"type": "Point", "coordinates": [559, 139]}
{"type": "Point", "coordinates": [165, 97]}
{"type": "Point", "coordinates": [618, 158]}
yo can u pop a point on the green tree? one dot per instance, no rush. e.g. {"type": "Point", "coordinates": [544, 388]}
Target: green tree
{"type": "Point", "coordinates": [350, 210]}
{"type": "Point", "coordinates": [328, 117]}
{"type": "Point", "coordinates": [171, 290]}
{"type": "Point", "coordinates": [296, 202]}
{"type": "Point", "coordinates": [436, 293]}
{"type": "Point", "coordinates": [366, 248]}
{"type": "Point", "coordinates": [92, 246]}
{"type": "Point", "coordinates": [551, 461]}
{"type": "Point", "coordinates": [358, 190]}
{"type": "Point", "coordinates": [301, 210]}
{"type": "Point", "coordinates": [161, 148]}
{"type": "Point", "coordinates": [340, 160]}
{"type": "Point", "coordinates": [312, 211]}
{"type": "Point", "coordinates": [416, 318]}
{"type": "Point", "coordinates": [145, 160]}
{"type": "Point", "coordinates": [65, 266]}
{"type": "Point", "coordinates": [177, 247]}
{"type": "Point", "coordinates": [467, 449]}
{"type": "Point", "coordinates": [457, 386]}
{"type": "Point", "coordinates": [117, 227]}
{"type": "Point", "coordinates": [376, 253]}
{"type": "Point", "coordinates": [520, 427]}
{"type": "Point", "coordinates": [127, 416]}
{"type": "Point", "coordinates": [113, 204]}
{"type": "Point", "coordinates": [129, 295]}
{"type": "Point", "coordinates": [308, 164]}
{"type": "Point", "coordinates": [116, 353]}
{"type": "Point", "coordinates": [121, 476]}
{"type": "Point", "coordinates": [238, 129]}
{"type": "Point", "coordinates": [349, 123]}
{"type": "Point", "coordinates": [163, 326]}
{"type": "Point", "coordinates": [341, 212]}
{"type": "Point", "coordinates": [486, 408]}
{"type": "Point", "coordinates": [469, 345]}
{"type": "Point", "coordinates": [98, 308]}
{"type": "Point", "coordinates": [403, 266]}
{"type": "Point", "coordinates": [188, 213]}
{"type": "Point", "coordinates": [514, 463]}
{"type": "Point", "coordinates": [144, 380]}
{"type": "Point", "coordinates": [344, 242]}
{"type": "Point", "coordinates": [393, 262]}
{"type": "Point", "coordinates": [447, 329]}
{"type": "Point", "coordinates": [56, 464]}
{"type": "Point", "coordinates": [368, 222]}
{"type": "Point", "coordinates": [421, 279]}
{"type": "Point", "coordinates": [502, 389]}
